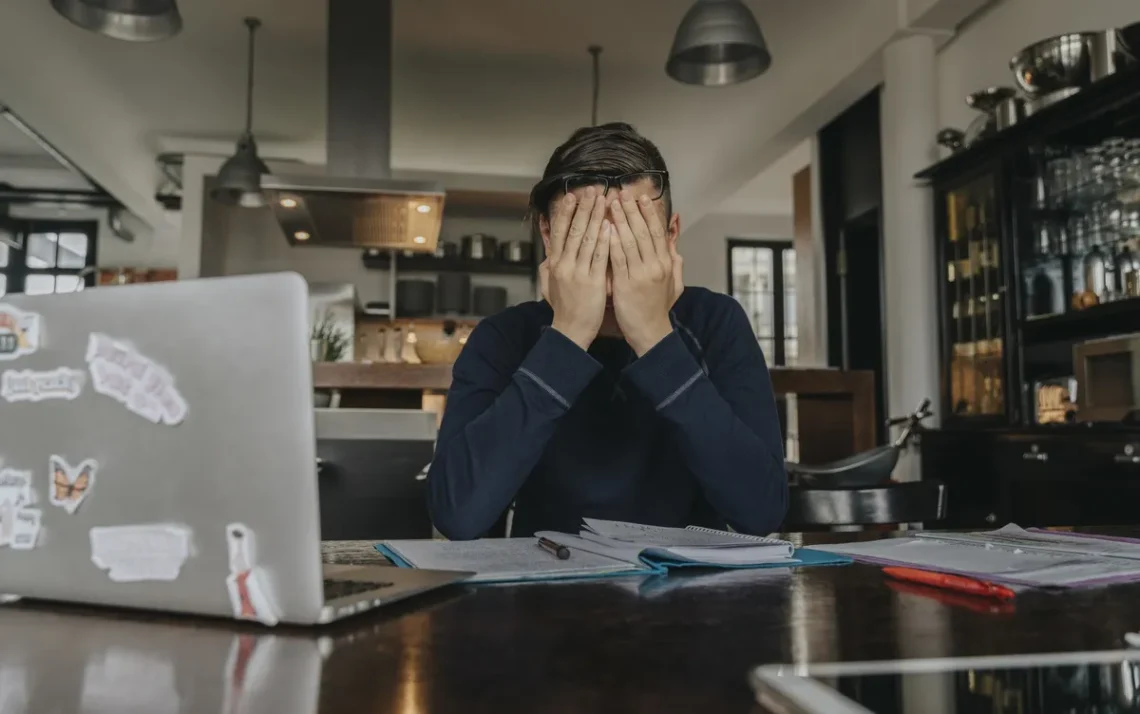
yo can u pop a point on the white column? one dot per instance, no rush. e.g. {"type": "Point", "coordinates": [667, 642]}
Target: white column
{"type": "Point", "coordinates": [909, 121]}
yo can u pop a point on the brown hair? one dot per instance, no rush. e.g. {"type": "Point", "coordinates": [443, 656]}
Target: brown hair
{"type": "Point", "coordinates": [607, 149]}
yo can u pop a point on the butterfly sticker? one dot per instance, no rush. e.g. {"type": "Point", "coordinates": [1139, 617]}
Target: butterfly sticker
{"type": "Point", "coordinates": [70, 485]}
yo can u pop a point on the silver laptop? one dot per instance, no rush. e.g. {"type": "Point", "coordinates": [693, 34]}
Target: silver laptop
{"type": "Point", "coordinates": [157, 451]}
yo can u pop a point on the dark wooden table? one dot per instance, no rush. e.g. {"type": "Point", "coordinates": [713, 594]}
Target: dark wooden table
{"type": "Point", "coordinates": [678, 644]}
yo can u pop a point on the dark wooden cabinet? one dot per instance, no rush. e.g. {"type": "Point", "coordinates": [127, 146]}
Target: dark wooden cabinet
{"type": "Point", "coordinates": [1035, 477]}
{"type": "Point", "coordinates": [1037, 227]}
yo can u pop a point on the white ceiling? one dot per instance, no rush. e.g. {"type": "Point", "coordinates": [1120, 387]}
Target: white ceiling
{"type": "Point", "coordinates": [487, 87]}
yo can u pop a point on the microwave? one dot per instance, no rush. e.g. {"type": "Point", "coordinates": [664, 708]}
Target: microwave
{"type": "Point", "coordinates": [1107, 373]}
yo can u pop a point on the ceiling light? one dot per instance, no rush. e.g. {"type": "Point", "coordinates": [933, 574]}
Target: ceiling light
{"type": "Point", "coordinates": [423, 208]}
{"type": "Point", "coordinates": [419, 239]}
{"type": "Point", "coordinates": [239, 180]}
{"type": "Point", "coordinates": [301, 235]}
{"type": "Point", "coordinates": [132, 20]}
{"type": "Point", "coordinates": [718, 43]}
{"type": "Point", "coordinates": [288, 203]}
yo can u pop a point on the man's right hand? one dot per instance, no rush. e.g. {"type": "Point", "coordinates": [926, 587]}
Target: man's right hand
{"type": "Point", "coordinates": [573, 277]}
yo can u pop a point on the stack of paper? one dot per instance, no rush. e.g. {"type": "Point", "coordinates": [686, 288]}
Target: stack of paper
{"type": "Point", "coordinates": [1009, 555]}
{"type": "Point", "coordinates": [693, 545]}
{"type": "Point", "coordinates": [602, 549]}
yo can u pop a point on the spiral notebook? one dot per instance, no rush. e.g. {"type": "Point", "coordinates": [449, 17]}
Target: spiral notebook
{"type": "Point", "coordinates": [603, 549]}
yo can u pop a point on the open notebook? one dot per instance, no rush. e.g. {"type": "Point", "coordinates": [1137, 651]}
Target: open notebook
{"type": "Point", "coordinates": [602, 549]}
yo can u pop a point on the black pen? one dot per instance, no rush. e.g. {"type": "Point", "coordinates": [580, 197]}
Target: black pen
{"type": "Point", "coordinates": [561, 551]}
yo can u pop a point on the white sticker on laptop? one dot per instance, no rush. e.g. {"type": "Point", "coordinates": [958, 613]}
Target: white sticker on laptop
{"type": "Point", "coordinates": [19, 332]}
{"type": "Point", "coordinates": [248, 584]}
{"type": "Point", "coordinates": [15, 495]}
{"type": "Point", "coordinates": [70, 484]}
{"type": "Point", "coordinates": [119, 371]}
{"type": "Point", "coordinates": [26, 528]}
{"type": "Point", "coordinates": [32, 386]}
{"type": "Point", "coordinates": [135, 553]}
{"type": "Point", "coordinates": [15, 487]}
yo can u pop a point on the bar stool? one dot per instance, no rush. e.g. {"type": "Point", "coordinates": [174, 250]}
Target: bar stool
{"type": "Point", "coordinates": [848, 508]}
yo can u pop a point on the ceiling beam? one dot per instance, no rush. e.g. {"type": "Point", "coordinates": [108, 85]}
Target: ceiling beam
{"type": "Point", "coordinates": [73, 105]}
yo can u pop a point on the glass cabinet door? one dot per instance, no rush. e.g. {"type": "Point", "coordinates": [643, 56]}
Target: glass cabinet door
{"type": "Point", "coordinates": [974, 299]}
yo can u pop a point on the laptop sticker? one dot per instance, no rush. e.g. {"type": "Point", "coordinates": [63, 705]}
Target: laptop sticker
{"type": "Point", "coordinates": [248, 584]}
{"type": "Point", "coordinates": [15, 493]}
{"type": "Point", "coordinates": [26, 529]}
{"type": "Point", "coordinates": [32, 386]}
{"type": "Point", "coordinates": [70, 484]}
{"type": "Point", "coordinates": [119, 371]}
{"type": "Point", "coordinates": [131, 554]}
{"type": "Point", "coordinates": [19, 332]}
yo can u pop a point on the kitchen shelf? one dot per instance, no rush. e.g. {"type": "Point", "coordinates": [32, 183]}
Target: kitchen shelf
{"type": "Point", "coordinates": [380, 375]}
{"type": "Point", "coordinates": [1099, 100]}
{"type": "Point", "coordinates": [1111, 318]}
{"type": "Point", "coordinates": [432, 264]}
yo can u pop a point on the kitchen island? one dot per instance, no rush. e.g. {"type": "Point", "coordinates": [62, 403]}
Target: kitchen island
{"type": "Point", "coordinates": [835, 409]}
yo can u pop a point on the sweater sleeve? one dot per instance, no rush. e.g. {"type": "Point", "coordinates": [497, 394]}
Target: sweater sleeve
{"type": "Point", "coordinates": [501, 410]}
{"type": "Point", "coordinates": [726, 421]}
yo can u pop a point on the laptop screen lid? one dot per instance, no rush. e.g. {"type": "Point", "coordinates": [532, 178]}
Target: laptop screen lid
{"type": "Point", "coordinates": [161, 500]}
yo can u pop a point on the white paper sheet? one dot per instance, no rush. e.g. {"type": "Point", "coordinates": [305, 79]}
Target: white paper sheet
{"type": "Point", "coordinates": [495, 559]}
{"type": "Point", "coordinates": [1002, 563]}
{"type": "Point", "coordinates": [675, 537]}
{"type": "Point", "coordinates": [1017, 537]}
{"type": "Point", "coordinates": [140, 552]}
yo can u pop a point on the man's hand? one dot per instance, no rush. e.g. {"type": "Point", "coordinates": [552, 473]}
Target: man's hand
{"type": "Point", "coordinates": [573, 277]}
{"type": "Point", "coordinates": [647, 273]}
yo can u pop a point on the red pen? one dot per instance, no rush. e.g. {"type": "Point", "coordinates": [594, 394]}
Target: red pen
{"type": "Point", "coordinates": [951, 582]}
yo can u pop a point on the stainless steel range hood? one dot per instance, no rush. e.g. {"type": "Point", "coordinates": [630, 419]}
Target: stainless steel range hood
{"type": "Point", "coordinates": [357, 204]}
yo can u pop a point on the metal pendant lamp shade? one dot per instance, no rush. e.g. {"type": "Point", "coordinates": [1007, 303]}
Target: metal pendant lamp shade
{"type": "Point", "coordinates": [238, 182]}
{"type": "Point", "coordinates": [131, 20]}
{"type": "Point", "coordinates": [718, 43]}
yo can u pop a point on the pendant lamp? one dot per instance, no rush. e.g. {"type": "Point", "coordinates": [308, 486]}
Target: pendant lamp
{"type": "Point", "coordinates": [131, 20]}
{"type": "Point", "coordinates": [239, 180]}
{"type": "Point", "coordinates": [717, 44]}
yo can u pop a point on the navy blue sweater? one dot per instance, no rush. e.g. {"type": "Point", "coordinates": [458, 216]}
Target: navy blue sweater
{"type": "Point", "coordinates": [687, 434]}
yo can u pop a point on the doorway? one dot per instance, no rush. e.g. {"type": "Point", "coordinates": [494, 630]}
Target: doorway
{"type": "Point", "coordinates": [862, 286]}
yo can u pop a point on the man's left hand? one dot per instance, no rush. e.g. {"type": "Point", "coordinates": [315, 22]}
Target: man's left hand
{"type": "Point", "coordinates": [647, 272]}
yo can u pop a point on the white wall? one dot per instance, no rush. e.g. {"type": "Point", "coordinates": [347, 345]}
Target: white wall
{"type": "Point", "coordinates": [703, 246]}
{"type": "Point", "coordinates": [979, 56]}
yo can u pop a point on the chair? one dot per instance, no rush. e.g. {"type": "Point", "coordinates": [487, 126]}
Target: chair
{"type": "Point", "coordinates": [889, 503]}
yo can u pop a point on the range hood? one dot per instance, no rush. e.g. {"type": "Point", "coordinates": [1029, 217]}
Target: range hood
{"type": "Point", "coordinates": [357, 204]}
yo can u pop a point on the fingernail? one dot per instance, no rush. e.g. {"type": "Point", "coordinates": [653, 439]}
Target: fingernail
{"type": "Point", "coordinates": [569, 200]}
{"type": "Point", "coordinates": [645, 200]}
{"type": "Point", "coordinates": [605, 229]}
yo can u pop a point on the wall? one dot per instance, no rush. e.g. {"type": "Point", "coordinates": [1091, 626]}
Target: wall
{"type": "Point", "coordinates": [149, 249]}
{"type": "Point", "coordinates": [979, 56]}
{"type": "Point", "coordinates": [703, 245]}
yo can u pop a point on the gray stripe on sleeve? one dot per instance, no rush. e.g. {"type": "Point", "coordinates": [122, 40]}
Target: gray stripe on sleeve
{"type": "Point", "coordinates": [680, 390]}
{"type": "Point", "coordinates": [545, 387]}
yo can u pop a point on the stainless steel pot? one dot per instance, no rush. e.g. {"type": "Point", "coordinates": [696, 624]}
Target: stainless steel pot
{"type": "Point", "coordinates": [1057, 63]}
{"type": "Point", "coordinates": [478, 246]}
{"type": "Point", "coordinates": [516, 251]}
{"type": "Point", "coordinates": [1009, 112]}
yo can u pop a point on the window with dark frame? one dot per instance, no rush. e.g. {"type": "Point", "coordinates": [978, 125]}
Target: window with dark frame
{"type": "Point", "coordinates": [52, 257]}
{"type": "Point", "coordinates": [762, 278]}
